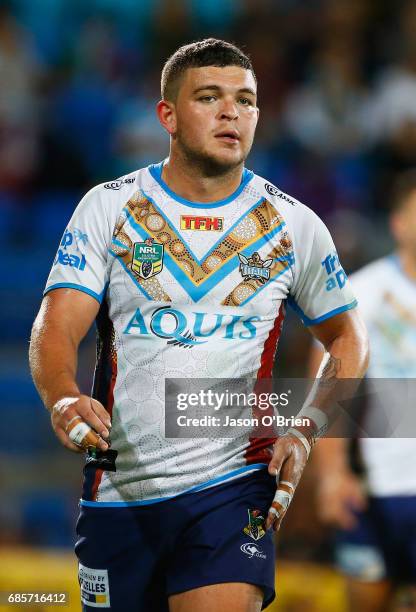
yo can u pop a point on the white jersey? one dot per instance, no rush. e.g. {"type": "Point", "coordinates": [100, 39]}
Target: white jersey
{"type": "Point", "coordinates": [388, 304]}
{"type": "Point", "coordinates": [189, 290]}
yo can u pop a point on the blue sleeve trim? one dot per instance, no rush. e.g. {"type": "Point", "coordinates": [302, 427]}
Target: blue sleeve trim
{"type": "Point", "coordinates": [307, 321]}
{"type": "Point", "coordinates": [99, 298]}
{"type": "Point", "coordinates": [247, 468]}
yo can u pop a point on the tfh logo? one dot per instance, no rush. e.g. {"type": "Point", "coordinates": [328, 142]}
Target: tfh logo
{"type": "Point", "coordinates": [191, 222]}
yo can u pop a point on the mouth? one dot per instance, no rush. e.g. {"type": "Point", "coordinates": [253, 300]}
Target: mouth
{"type": "Point", "coordinates": [230, 136]}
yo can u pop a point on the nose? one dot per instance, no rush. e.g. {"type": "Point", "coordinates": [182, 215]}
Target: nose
{"type": "Point", "coordinates": [228, 109]}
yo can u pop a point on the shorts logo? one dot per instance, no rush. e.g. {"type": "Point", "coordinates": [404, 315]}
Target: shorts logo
{"type": "Point", "coordinates": [254, 267]}
{"type": "Point", "coordinates": [95, 589]}
{"type": "Point", "coordinates": [205, 224]}
{"type": "Point", "coordinates": [252, 550]}
{"type": "Point", "coordinates": [255, 527]}
{"type": "Point", "coordinates": [147, 258]}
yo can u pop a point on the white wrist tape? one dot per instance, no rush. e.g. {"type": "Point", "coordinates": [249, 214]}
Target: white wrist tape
{"type": "Point", "coordinates": [295, 432]}
{"type": "Point", "coordinates": [81, 434]}
{"type": "Point", "coordinates": [78, 433]}
{"type": "Point", "coordinates": [282, 498]}
{"type": "Point", "coordinates": [315, 425]}
{"type": "Point", "coordinates": [317, 416]}
{"type": "Point", "coordinates": [63, 404]}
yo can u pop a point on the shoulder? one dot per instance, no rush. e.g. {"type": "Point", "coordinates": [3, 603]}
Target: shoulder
{"type": "Point", "coordinates": [303, 224]}
{"type": "Point", "coordinates": [123, 182]}
{"type": "Point", "coordinates": [274, 195]}
{"type": "Point", "coordinates": [287, 205]}
{"type": "Point", "coordinates": [109, 197]}
{"type": "Point", "coordinates": [123, 186]}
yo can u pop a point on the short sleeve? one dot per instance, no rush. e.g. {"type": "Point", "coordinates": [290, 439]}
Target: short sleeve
{"type": "Point", "coordinates": [320, 288]}
{"type": "Point", "coordinates": [81, 259]}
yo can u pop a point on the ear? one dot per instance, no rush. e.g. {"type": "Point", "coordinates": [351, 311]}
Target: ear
{"type": "Point", "coordinates": [167, 116]}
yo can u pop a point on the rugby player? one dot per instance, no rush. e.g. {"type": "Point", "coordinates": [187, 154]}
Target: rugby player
{"type": "Point", "coordinates": [376, 515]}
{"type": "Point", "coordinates": [186, 266]}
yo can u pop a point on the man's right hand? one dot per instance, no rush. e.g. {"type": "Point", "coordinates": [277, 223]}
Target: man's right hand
{"type": "Point", "coordinates": [75, 415]}
{"type": "Point", "coordinates": [339, 496]}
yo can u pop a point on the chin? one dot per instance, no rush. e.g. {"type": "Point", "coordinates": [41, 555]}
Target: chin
{"type": "Point", "coordinates": [214, 161]}
{"type": "Point", "coordinates": [228, 160]}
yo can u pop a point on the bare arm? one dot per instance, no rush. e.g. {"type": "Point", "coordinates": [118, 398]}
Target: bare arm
{"type": "Point", "coordinates": [64, 319]}
{"type": "Point", "coordinates": [345, 339]}
{"type": "Point", "coordinates": [339, 491]}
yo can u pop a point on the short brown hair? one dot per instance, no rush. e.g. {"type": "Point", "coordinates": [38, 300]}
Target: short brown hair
{"type": "Point", "coordinates": [208, 52]}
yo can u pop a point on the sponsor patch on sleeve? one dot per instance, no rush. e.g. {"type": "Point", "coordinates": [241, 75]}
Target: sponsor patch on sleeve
{"type": "Point", "coordinates": [95, 589]}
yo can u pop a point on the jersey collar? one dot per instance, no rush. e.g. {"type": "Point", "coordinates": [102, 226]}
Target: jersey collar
{"type": "Point", "coordinates": [156, 172]}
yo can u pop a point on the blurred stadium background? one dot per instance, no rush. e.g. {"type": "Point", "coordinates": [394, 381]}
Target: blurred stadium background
{"type": "Point", "coordinates": [79, 81]}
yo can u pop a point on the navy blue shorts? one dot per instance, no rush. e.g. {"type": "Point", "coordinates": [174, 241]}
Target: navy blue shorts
{"type": "Point", "coordinates": [383, 544]}
{"type": "Point", "coordinates": [133, 558]}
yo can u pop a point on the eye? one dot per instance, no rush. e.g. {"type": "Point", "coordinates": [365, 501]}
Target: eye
{"type": "Point", "coordinates": [245, 102]}
{"type": "Point", "coordinates": [207, 98]}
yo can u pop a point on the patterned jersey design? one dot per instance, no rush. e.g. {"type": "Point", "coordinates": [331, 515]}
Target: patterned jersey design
{"type": "Point", "coordinates": [388, 305]}
{"type": "Point", "coordinates": [178, 302]}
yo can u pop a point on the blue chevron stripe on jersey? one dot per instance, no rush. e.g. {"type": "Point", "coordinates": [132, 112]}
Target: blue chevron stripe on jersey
{"type": "Point", "coordinates": [196, 292]}
{"type": "Point", "coordinates": [199, 261]}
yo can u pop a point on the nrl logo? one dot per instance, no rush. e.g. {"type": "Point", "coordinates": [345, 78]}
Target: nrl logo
{"type": "Point", "coordinates": [255, 527]}
{"type": "Point", "coordinates": [147, 258]}
{"type": "Point", "coordinates": [254, 267]}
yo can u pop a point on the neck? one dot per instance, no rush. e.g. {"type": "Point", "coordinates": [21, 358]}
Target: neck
{"type": "Point", "coordinates": [192, 182]}
{"type": "Point", "coordinates": [408, 263]}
